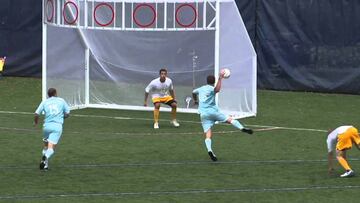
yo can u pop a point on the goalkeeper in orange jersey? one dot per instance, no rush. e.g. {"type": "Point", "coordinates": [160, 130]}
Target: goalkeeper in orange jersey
{"type": "Point", "coordinates": [341, 139]}
{"type": "Point", "coordinates": [162, 91]}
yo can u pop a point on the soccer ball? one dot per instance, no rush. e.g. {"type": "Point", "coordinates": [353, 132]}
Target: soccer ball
{"type": "Point", "coordinates": [225, 72]}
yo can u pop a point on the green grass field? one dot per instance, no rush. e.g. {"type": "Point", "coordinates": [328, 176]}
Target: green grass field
{"type": "Point", "coordinates": [116, 156]}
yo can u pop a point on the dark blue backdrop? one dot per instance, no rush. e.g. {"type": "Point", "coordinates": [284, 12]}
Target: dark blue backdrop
{"type": "Point", "coordinates": [20, 37]}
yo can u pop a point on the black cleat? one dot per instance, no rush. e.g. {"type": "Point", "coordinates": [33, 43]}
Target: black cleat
{"type": "Point", "coordinates": [43, 163]}
{"type": "Point", "coordinates": [247, 130]}
{"type": "Point", "coordinates": [212, 156]}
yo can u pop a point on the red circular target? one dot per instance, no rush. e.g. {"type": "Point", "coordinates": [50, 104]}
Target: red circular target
{"type": "Point", "coordinates": [153, 13]}
{"type": "Point", "coordinates": [112, 14]}
{"type": "Point", "coordinates": [76, 16]}
{"type": "Point", "coordinates": [49, 5]}
{"type": "Point", "coordinates": [177, 15]}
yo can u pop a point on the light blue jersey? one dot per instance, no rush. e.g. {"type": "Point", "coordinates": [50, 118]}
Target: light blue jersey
{"type": "Point", "coordinates": [54, 109]}
{"type": "Point", "coordinates": [209, 112]}
{"type": "Point", "coordinates": [206, 99]}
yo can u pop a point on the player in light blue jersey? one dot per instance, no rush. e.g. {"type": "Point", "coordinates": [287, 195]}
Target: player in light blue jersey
{"type": "Point", "coordinates": [55, 110]}
{"type": "Point", "coordinates": [209, 112]}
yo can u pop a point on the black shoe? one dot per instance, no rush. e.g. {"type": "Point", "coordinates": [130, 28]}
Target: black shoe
{"type": "Point", "coordinates": [247, 130]}
{"type": "Point", "coordinates": [43, 163]}
{"type": "Point", "coordinates": [212, 156]}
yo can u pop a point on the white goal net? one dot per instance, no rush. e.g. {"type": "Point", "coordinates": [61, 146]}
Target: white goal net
{"type": "Point", "coordinates": [103, 53]}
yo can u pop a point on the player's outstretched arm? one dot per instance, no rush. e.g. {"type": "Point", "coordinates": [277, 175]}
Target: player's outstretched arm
{"type": "Point", "coordinates": [218, 84]}
{"type": "Point", "coordinates": [172, 93]}
{"type": "Point", "coordinates": [330, 162]}
{"type": "Point", "coordinates": [196, 101]}
{"type": "Point", "coordinates": [145, 99]}
{"type": "Point", "coordinates": [36, 119]}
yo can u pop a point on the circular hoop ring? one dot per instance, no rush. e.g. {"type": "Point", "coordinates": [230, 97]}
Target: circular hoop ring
{"type": "Point", "coordinates": [112, 14]}
{"type": "Point", "coordinates": [77, 13]}
{"type": "Point", "coordinates": [50, 18]}
{"type": "Point", "coordinates": [177, 15]}
{"type": "Point", "coordinates": [153, 11]}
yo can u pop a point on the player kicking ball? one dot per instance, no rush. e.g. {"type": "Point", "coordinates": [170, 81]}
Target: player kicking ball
{"type": "Point", "coordinates": [163, 92]}
{"type": "Point", "coordinates": [210, 113]}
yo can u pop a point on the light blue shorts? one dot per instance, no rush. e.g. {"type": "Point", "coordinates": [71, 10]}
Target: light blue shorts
{"type": "Point", "coordinates": [209, 119]}
{"type": "Point", "coordinates": [52, 132]}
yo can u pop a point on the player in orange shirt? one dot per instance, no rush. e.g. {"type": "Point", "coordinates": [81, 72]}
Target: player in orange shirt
{"type": "Point", "coordinates": [341, 139]}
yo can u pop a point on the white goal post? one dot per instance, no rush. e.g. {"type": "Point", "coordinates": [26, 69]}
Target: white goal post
{"type": "Point", "coordinates": [103, 53]}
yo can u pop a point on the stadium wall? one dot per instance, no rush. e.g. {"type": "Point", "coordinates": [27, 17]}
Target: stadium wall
{"type": "Point", "coordinates": [20, 37]}
{"type": "Point", "coordinates": [302, 45]}
{"type": "Point", "coordinates": [308, 45]}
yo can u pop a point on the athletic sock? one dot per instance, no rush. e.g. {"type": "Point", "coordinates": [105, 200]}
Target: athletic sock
{"type": "Point", "coordinates": [237, 124]}
{"type": "Point", "coordinates": [343, 163]}
{"type": "Point", "coordinates": [44, 151]}
{"type": "Point", "coordinates": [49, 153]}
{"type": "Point", "coordinates": [173, 113]}
{"type": "Point", "coordinates": [156, 115]}
{"type": "Point", "coordinates": [208, 144]}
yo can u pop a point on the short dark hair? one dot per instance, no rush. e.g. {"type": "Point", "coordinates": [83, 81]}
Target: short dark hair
{"type": "Point", "coordinates": [210, 80]}
{"type": "Point", "coordinates": [161, 70]}
{"type": "Point", "coordinates": [51, 92]}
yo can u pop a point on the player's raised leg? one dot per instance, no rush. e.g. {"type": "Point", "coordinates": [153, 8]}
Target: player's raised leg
{"type": "Point", "coordinates": [239, 126]}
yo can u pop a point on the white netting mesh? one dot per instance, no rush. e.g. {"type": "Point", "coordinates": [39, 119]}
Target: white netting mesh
{"type": "Point", "coordinates": [105, 59]}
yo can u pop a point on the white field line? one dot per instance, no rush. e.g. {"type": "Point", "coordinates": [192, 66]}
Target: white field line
{"type": "Point", "coordinates": [266, 127]}
{"type": "Point", "coordinates": [140, 133]}
{"type": "Point", "coordinates": [122, 133]}
{"type": "Point", "coordinates": [180, 192]}
{"type": "Point", "coordinates": [185, 163]}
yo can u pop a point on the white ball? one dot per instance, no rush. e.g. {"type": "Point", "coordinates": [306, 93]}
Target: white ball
{"type": "Point", "coordinates": [225, 72]}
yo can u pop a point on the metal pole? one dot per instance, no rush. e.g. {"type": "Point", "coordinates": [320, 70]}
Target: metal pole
{"type": "Point", "coordinates": [217, 44]}
{"type": "Point", "coordinates": [44, 55]}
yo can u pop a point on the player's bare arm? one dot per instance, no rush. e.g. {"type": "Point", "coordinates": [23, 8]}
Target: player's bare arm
{"type": "Point", "coordinates": [145, 99]}
{"type": "Point", "coordinates": [330, 162]}
{"type": "Point", "coordinates": [172, 93]}
{"type": "Point", "coordinates": [36, 119]}
{"type": "Point", "coordinates": [196, 102]}
{"type": "Point", "coordinates": [218, 85]}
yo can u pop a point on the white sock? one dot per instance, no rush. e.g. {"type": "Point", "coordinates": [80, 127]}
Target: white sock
{"type": "Point", "coordinates": [208, 144]}
{"type": "Point", "coordinates": [237, 124]}
{"type": "Point", "coordinates": [49, 153]}
{"type": "Point", "coordinates": [44, 151]}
